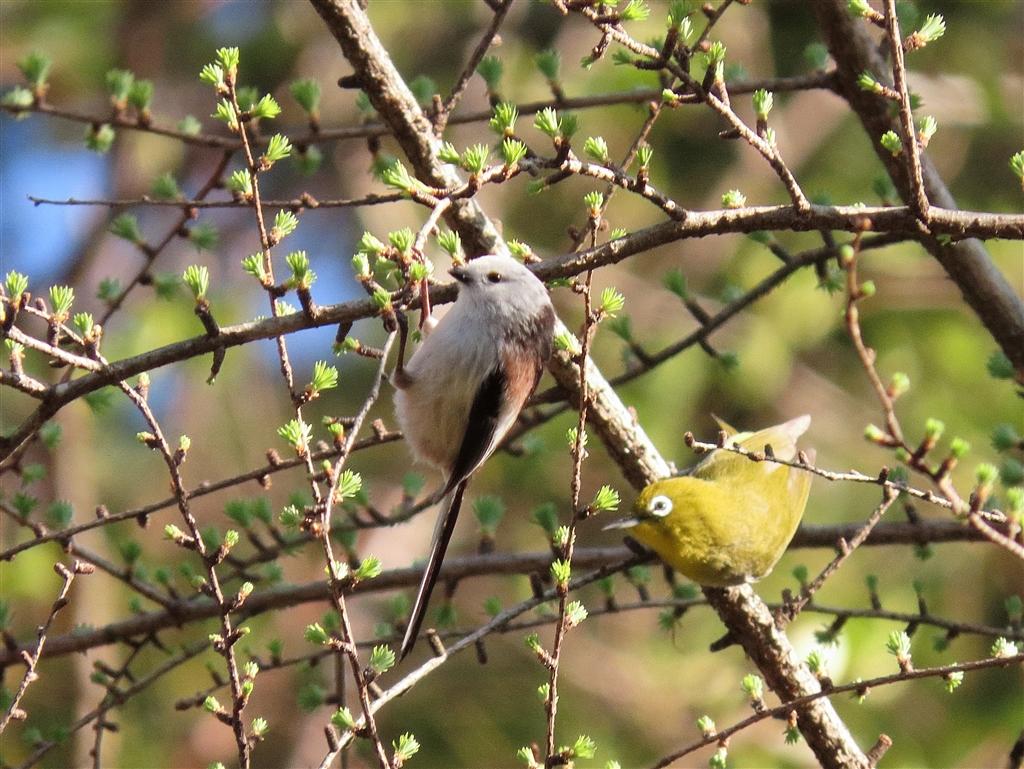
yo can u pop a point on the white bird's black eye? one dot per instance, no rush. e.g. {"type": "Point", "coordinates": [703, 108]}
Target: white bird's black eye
{"type": "Point", "coordinates": [494, 277]}
{"type": "Point", "coordinates": [660, 506]}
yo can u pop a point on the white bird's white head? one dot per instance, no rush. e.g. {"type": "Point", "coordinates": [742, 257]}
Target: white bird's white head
{"type": "Point", "coordinates": [462, 390]}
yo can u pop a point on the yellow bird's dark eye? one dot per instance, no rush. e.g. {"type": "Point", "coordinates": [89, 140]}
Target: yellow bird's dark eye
{"type": "Point", "coordinates": [660, 506]}
{"type": "Point", "coordinates": [494, 277]}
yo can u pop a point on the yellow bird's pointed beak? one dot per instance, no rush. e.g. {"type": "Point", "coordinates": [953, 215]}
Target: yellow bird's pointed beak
{"type": "Point", "coordinates": [622, 523]}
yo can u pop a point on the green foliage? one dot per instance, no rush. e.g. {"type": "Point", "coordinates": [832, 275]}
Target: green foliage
{"type": "Point", "coordinates": [753, 685]}
{"type": "Point", "coordinates": [307, 94]}
{"type": "Point", "coordinates": [382, 659]}
{"type": "Point", "coordinates": [635, 10]}
{"type": "Point", "coordinates": [315, 634]}
{"type": "Point", "coordinates": [594, 201]}
{"type": "Point", "coordinates": [307, 160]}
{"type": "Point", "coordinates": [297, 433]}
{"type": "Point", "coordinates": [547, 122]}
{"type": "Point", "coordinates": [474, 159]}
{"type": "Point", "coordinates": [504, 121]}
{"type": "Point", "coordinates": [19, 98]}
{"type": "Point", "coordinates": [562, 571]}
{"type": "Point", "coordinates": [226, 113]}
{"type": "Point", "coordinates": [790, 346]}
{"type": "Point", "coordinates": [350, 482]}
{"type": "Point", "coordinates": [549, 62]}
{"type": "Point", "coordinates": [35, 68]}
{"type": "Point", "coordinates": [405, 747]}
{"type": "Point", "coordinates": [999, 366]}
{"type": "Point", "coordinates": [140, 95]}
{"type": "Point", "coordinates": [204, 236]}
{"type": "Point", "coordinates": [278, 148]}
{"type": "Point", "coordinates": [397, 175]}
{"type": "Point", "coordinates": [342, 719]}
{"type": "Point", "coordinates": [512, 151]}
{"type": "Point", "coordinates": [197, 279]}
{"type": "Point", "coordinates": [1017, 165]}
{"type": "Point", "coordinates": [165, 187]}
{"type": "Point", "coordinates": [285, 223]}
{"type": "Point", "coordinates": [61, 299]}
{"type": "Point", "coordinates": [763, 102]}
{"type": "Point", "coordinates": [816, 55]}
{"type": "Point", "coordinates": [240, 181]}
{"type": "Point", "coordinates": [676, 282]}
{"type": "Point", "coordinates": [15, 284]}
{"type": "Point", "coordinates": [567, 342]}
{"type": "Point", "coordinates": [933, 28]}
{"type": "Point", "coordinates": [100, 138]}
{"type": "Point", "coordinates": [491, 70]}
{"type": "Point", "coordinates": [605, 501]}
{"type": "Point", "coordinates": [126, 226]}
{"type": "Point", "coordinates": [489, 510]}
{"type": "Point", "coordinates": [190, 126]}
{"type": "Point", "coordinates": [891, 141]}
{"type": "Point", "coordinates": [597, 148]}
{"type": "Point", "coordinates": [423, 88]}
{"type": "Point", "coordinates": [59, 514]}
{"type": "Point", "coordinates": [734, 199]}
{"type": "Point", "coordinates": [302, 276]}
{"type": "Point", "coordinates": [310, 697]}
{"type": "Point", "coordinates": [266, 108]}
{"type": "Point", "coordinates": [926, 128]}
{"type": "Point", "coordinates": [369, 568]}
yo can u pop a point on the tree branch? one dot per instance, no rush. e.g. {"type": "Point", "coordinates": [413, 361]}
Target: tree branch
{"type": "Point", "coordinates": [967, 263]}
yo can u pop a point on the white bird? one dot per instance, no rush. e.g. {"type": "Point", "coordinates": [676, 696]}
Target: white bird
{"type": "Point", "coordinates": [463, 388]}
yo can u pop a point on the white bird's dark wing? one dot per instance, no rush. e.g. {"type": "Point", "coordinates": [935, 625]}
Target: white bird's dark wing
{"type": "Point", "coordinates": [480, 438]}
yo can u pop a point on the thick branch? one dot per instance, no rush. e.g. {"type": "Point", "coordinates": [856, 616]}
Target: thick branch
{"type": "Point", "coordinates": [751, 622]}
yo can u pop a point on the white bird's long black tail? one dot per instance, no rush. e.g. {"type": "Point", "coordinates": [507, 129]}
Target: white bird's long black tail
{"type": "Point", "coordinates": [438, 545]}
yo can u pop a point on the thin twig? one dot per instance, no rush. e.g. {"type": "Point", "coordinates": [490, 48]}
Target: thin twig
{"type": "Point", "coordinates": [14, 712]}
{"type": "Point", "coordinates": [919, 196]}
{"type": "Point", "coordinates": [441, 118]}
{"type": "Point", "coordinates": [790, 609]}
{"type": "Point", "coordinates": [858, 687]}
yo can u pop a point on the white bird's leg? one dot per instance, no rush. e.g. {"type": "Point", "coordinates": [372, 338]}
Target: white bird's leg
{"type": "Point", "coordinates": [427, 319]}
{"type": "Point", "coordinates": [400, 379]}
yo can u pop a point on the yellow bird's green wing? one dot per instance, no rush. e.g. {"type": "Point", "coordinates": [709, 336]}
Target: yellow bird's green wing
{"type": "Point", "coordinates": [782, 438]}
{"type": "Point", "coordinates": [725, 426]}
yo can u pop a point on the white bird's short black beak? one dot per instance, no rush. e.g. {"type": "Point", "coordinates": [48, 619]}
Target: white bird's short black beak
{"type": "Point", "coordinates": [460, 273]}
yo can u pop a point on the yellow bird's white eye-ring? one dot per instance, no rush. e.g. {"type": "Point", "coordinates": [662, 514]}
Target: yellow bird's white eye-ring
{"type": "Point", "coordinates": [660, 506]}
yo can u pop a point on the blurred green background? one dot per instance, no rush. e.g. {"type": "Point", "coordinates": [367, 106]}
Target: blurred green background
{"type": "Point", "coordinates": [634, 688]}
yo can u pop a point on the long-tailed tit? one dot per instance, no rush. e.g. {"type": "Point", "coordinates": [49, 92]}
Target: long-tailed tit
{"type": "Point", "coordinates": [465, 385]}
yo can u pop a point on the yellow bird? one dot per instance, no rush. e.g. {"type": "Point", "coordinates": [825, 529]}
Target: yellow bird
{"type": "Point", "coordinates": [730, 520]}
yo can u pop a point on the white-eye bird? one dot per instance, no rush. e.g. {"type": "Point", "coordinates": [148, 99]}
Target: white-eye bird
{"type": "Point", "coordinates": [463, 388]}
{"type": "Point", "coordinates": [730, 520]}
